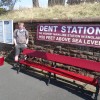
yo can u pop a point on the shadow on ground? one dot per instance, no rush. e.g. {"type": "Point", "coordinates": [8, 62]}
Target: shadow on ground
{"type": "Point", "coordinates": [59, 82]}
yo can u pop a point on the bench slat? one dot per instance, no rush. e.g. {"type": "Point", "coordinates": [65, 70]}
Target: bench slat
{"type": "Point", "coordinates": [61, 72]}
{"type": "Point", "coordinates": [77, 62]}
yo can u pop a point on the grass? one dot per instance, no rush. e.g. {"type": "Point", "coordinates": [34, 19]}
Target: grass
{"type": "Point", "coordinates": [60, 12]}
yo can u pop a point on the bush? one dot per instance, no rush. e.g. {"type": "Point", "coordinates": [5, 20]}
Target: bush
{"type": "Point", "coordinates": [2, 11]}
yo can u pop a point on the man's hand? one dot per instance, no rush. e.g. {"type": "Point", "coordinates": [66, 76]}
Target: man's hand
{"type": "Point", "coordinates": [27, 42]}
{"type": "Point", "coordinates": [15, 44]}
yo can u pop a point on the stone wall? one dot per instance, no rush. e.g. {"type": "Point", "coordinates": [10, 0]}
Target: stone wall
{"type": "Point", "coordinates": [83, 52]}
{"type": "Point", "coordinates": [59, 48]}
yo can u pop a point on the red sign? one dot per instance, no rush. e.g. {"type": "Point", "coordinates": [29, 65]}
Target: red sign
{"type": "Point", "coordinates": [87, 35]}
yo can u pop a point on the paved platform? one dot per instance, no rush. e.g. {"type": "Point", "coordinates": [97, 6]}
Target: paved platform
{"type": "Point", "coordinates": [25, 86]}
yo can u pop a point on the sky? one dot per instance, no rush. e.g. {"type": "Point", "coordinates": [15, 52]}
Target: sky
{"type": "Point", "coordinates": [28, 3]}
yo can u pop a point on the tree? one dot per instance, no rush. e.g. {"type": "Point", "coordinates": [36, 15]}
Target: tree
{"type": "Point", "coordinates": [35, 3]}
{"type": "Point", "coordinates": [56, 2]}
{"type": "Point", "coordinates": [8, 3]}
{"type": "Point", "coordinates": [81, 1]}
{"type": "Point", "coordinates": [2, 11]}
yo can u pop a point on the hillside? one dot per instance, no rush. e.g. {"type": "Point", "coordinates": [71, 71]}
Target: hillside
{"type": "Point", "coordinates": [69, 11]}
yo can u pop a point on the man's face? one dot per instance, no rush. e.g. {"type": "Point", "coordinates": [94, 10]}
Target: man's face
{"type": "Point", "coordinates": [21, 26]}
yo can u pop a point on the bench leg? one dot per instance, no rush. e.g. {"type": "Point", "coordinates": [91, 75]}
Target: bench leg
{"type": "Point", "coordinates": [15, 65]}
{"type": "Point", "coordinates": [55, 77]}
{"type": "Point", "coordinates": [18, 68]}
{"type": "Point", "coordinates": [97, 92]}
{"type": "Point", "coordinates": [49, 79]}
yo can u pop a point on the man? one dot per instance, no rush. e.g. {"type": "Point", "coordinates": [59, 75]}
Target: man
{"type": "Point", "coordinates": [21, 39]}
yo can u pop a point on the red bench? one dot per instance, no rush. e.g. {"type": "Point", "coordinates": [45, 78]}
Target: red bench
{"type": "Point", "coordinates": [76, 62]}
{"type": "Point", "coordinates": [1, 61]}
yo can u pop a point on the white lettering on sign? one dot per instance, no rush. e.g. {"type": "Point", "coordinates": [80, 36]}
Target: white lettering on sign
{"type": "Point", "coordinates": [74, 30]}
{"type": "Point", "coordinates": [91, 42]}
{"type": "Point", "coordinates": [97, 31]}
{"type": "Point", "coordinates": [79, 34]}
{"type": "Point", "coordinates": [63, 29]}
{"type": "Point", "coordinates": [50, 38]}
{"type": "Point", "coordinates": [48, 28]}
{"type": "Point", "coordinates": [80, 30]}
{"type": "Point", "coordinates": [41, 37]}
{"type": "Point", "coordinates": [63, 39]}
{"type": "Point", "coordinates": [74, 40]}
{"type": "Point", "coordinates": [90, 30]}
{"type": "Point", "coordinates": [71, 29]}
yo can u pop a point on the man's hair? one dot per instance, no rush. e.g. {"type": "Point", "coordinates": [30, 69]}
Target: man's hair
{"type": "Point", "coordinates": [20, 23]}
